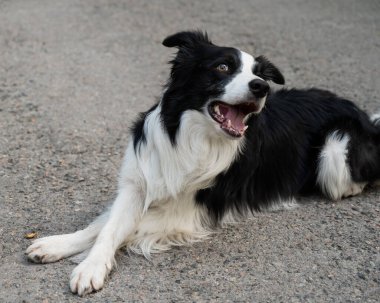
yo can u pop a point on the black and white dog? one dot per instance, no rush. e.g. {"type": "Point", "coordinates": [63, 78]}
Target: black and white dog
{"type": "Point", "coordinates": [218, 145]}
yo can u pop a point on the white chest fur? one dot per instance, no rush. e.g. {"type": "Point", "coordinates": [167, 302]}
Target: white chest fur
{"type": "Point", "coordinates": [170, 175]}
{"type": "Point", "coordinates": [191, 164]}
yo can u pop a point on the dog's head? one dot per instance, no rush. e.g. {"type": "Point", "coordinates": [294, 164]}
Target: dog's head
{"type": "Point", "coordinates": [226, 84]}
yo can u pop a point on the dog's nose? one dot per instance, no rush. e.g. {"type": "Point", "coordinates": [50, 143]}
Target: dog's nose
{"type": "Point", "coordinates": [259, 88]}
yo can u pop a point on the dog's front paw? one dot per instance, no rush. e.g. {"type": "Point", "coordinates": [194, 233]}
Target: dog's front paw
{"type": "Point", "coordinates": [46, 250]}
{"type": "Point", "coordinates": [89, 276]}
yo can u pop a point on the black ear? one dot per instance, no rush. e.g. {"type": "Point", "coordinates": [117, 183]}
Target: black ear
{"type": "Point", "coordinates": [187, 39]}
{"type": "Point", "coordinates": [268, 71]}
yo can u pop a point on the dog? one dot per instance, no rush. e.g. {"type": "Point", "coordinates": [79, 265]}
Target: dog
{"type": "Point", "coordinates": [219, 145]}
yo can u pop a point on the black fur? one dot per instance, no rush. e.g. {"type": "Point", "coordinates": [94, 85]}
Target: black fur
{"type": "Point", "coordinates": [283, 144]}
{"type": "Point", "coordinates": [268, 71]}
{"type": "Point", "coordinates": [187, 39]}
{"type": "Point", "coordinates": [194, 79]}
{"type": "Point", "coordinates": [138, 128]}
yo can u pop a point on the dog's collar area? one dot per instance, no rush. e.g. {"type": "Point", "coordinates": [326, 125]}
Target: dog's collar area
{"type": "Point", "coordinates": [232, 117]}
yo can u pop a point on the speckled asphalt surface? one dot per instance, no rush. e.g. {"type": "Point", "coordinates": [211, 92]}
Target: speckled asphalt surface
{"type": "Point", "coordinates": [73, 75]}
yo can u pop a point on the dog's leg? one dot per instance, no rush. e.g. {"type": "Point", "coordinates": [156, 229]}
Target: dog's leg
{"type": "Point", "coordinates": [54, 248]}
{"type": "Point", "coordinates": [334, 175]}
{"type": "Point", "coordinates": [124, 215]}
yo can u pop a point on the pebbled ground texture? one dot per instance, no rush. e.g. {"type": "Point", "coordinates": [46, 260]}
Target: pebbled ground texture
{"type": "Point", "coordinates": [73, 76]}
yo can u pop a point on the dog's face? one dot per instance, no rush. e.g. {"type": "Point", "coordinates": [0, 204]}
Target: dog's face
{"type": "Point", "coordinates": [224, 83]}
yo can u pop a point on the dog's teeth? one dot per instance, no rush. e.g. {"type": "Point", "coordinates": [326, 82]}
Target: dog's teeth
{"type": "Point", "coordinates": [243, 130]}
{"type": "Point", "coordinates": [246, 118]}
{"type": "Point", "coordinates": [216, 109]}
{"type": "Point", "coordinates": [229, 124]}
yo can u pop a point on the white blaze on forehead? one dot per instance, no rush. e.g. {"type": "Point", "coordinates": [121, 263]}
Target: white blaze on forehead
{"type": "Point", "coordinates": [238, 89]}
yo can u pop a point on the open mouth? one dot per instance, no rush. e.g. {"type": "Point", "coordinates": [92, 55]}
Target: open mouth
{"type": "Point", "coordinates": [232, 117]}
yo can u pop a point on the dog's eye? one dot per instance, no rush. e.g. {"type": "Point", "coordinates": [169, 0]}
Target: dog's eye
{"type": "Point", "coordinates": [223, 68]}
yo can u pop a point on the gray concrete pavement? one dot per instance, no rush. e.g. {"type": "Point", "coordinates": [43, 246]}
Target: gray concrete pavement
{"type": "Point", "coordinates": [73, 75]}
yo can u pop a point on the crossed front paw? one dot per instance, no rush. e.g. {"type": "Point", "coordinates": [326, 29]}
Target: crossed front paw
{"type": "Point", "coordinates": [46, 250]}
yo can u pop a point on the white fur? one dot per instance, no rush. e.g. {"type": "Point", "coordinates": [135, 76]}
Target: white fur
{"type": "Point", "coordinates": [238, 89]}
{"type": "Point", "coordinates": [375, 118]}
{"type": "Point", "coordinates": [200, 154]}
{"type": "Point", "coordinates": [173, 176]}
{"type": "Point", "coordinates": [54, 248]}
{"type": "Point", "coordinates": [283, 205]}
{"type": "Point", "coordinates": [333, 173]}
{"type": "Point", "coordinates": [155, 207]}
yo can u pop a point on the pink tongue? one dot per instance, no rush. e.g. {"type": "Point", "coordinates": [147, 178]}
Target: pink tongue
{"type": "Point", "coordinates": [233, 114]}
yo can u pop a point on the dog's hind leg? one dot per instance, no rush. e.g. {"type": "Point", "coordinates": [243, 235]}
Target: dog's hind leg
{"type": "Point", "coordinates": [54, 248]}
{"type": "Point", "coordinates": [334, 172]}
{"type": "Point", "coordinates": [350, 158]}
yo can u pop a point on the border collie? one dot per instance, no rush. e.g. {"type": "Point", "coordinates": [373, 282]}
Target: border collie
{"type": "Point", "coordinates": [219, 144]}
